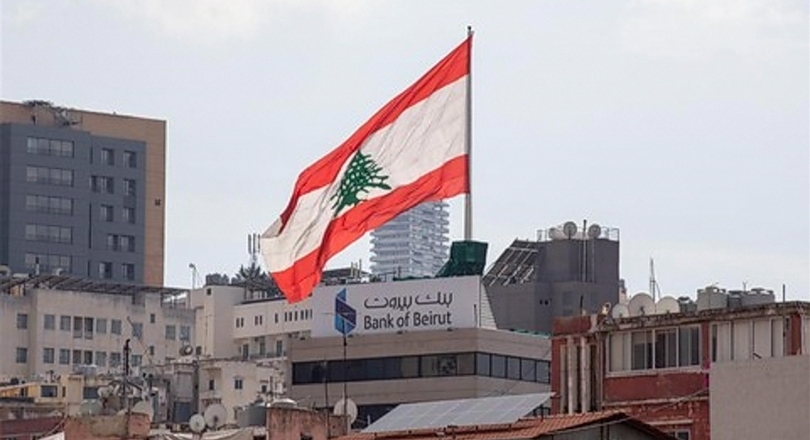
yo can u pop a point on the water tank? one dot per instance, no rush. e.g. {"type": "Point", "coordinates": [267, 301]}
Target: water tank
{"type": "Point", "coordinates": [735, 299]}
{"type": "Point", "coordinates": [758, 295]}
{"type": "Point", "coordinates": [686, 304]}
{"type": "Point", "coordinates": [712, 297]}
{"type": "Point", "coordinates": [252, 415]}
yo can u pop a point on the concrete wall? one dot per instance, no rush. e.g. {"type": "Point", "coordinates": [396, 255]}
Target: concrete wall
{"type": "Point", "coordinates": [761, 398]}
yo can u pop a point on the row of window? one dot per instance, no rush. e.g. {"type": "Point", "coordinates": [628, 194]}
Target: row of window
{"type": "Point", "coordinates": [128, 158]}
{"type": "Point", "coordinates": [49, 233]}
{"type": "Point", "coordinates": [49, 147]}
{"type": "Point", "coordinates": [48, 262]}
{"type": "Point", "coordinates": [406, 367]}
{"type": "Point", "coordinates": [117, 242]}
{"type": "Point", "coordinates": [289, 316]}
{"type": "Point", "coordinates": [107, 214]}
{"type": "Point", "coordinates": [49, 205]}
{"type": "Point", "coordinates": [85, 326]}
{"type": "Point", "coordinates": [655, 349]}
{"type": "Point", "coordinates": [66, 356]}
{"type": "Point", "coordinates": [105, 271]}
{"type": "Point", "coordinates": [49, 176]}
{"type": "Point", "coordinates": [106, 184]}
{"type": "Point", "coordinates": [63, 148]}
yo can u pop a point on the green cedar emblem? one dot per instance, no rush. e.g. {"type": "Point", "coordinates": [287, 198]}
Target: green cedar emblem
{"type": "Point", "coordinates": [363, 174]}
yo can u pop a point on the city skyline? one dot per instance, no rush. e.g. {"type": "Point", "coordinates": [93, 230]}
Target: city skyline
{"type": "Point", "coordinates": [684, 125]}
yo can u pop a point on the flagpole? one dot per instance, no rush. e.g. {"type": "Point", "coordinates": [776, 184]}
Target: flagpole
{"type": "Point", "coordinates": [468, 143]}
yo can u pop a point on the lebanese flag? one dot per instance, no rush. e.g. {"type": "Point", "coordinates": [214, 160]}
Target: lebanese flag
{"type": "Point", "coordinates": [411, 151]}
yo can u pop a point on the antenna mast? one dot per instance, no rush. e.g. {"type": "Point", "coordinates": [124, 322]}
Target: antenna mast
{"type": "Point", "coordinates": [655, 291]}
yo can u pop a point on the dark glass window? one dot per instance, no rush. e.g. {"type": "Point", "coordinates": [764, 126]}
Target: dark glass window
{"type": "Point", "coordinates": [482, 364]}
{"type": "Point", "coordinates": [498, 366]}
{"type": "Point", "coordinates": [513, 368]}
{"type": "Point", "coordinates": [527, 369]}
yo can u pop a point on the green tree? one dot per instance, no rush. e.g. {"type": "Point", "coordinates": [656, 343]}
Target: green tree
{"type": "Point", "coordinates": [363, 174]}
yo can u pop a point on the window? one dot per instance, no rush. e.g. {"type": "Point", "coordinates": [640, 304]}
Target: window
{"type": "Point", "coordinates": [52, 234]}
{"type": "Point", "coordinates": [137, 330]}
{"type": "Point", "coordinates": [78, 327]}
{"type": "Point", "coordinates": [64, 356]}
{"type": "Point", "coordinates": [666, 348]}
{"type": "Point", "coordinates": [77, 357]}
{"type": "Point", "coordinates": [106, 214]}
{"type": "Point", "coordinates": [102, 184]}
{"type": "Point", "coordinates": [22, 321]}
{"type": "Point", "coordinates": [47, 262]}
{"type": "Point", "coordinates": [127, 243]}
{"type": "Point", "coordinates": [171, 332]}
{"type": "Point", "coordinates": [88, 357]}
{"type": "Point", "coordinates": [115, 359]}
{"type": "Point", "coordinates": [151, 318]}
{"type": "Point", "coordinates": [130, 159]}
{"type": "Point", "coordinates": [49, 147]}
{"type": "Point", "coordinates": [105, 270]}
{"type": "Point", "coordinates": [211, 385]}
{"type": "Point", "coordinates": [185, 333]}
{"type": "Point", "coordinates": [101, 325]}
{"type": "Point", "coordinates": [527, 370]}
{"type": "Point", "coordinates": [482, 364]}
{"type": "Point", "coordinates": [107, 156]}
{"type": "Point", "coordinates": [237, 383]}
{"type": "Point", "coordinates": [513, 368]}
{"type": "Point", "coordinates": [642, 350]}
{"type": "Point", "coordinates": [681, 434]}
{"type": "Point", "coordinates": [129, 187]}
{"type": "Point", "coordinates": [115, 326]}
{"type": "Point", "coordinates": [151, 350]}
{"type": "Point", "coordinates": [49, 205]}
{"type": "Point", "coordinates": [22, 355]}
{"type": "Point", "coordinates": [279, 348]}
{"type": "Point", "coordinates": [47, 355]}
{"type": "Point", "coordinates": [439, 365]}
{"type": "Point", "coordinates": [64, 323]}
{"type": "Point", "coordinates": [48, 390]}
{"type": "Point", "coordinates": [49, 176]}
{"type": "Point", "coordinates": [88, 328]}
{"type": "Point", "coordinates": [128, 271]}
{"type": "Point", "coordinates": [128, 215]}
{"type": "Point", "coordinates": [49, 322]}
{"type": "Point", "coordinates": [689, 346]}
{"type": "Point", "coordinates": [136, 360]}
{"type": "Point", "coordinates": [498, 366]}
{"type": "Point", "coordinates": [542, 372]}
{"type": "Point", "coordinates": [101, 358]}
{"type": "Point", "coordinates": [112, 242]}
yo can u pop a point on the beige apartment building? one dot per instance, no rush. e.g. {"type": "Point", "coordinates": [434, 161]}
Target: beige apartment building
{"type": "Point", "coordinates": [59, 324]}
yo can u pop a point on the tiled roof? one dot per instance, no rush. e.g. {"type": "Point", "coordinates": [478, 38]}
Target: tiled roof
{"type": "Point", "coordinates": [528, 428]}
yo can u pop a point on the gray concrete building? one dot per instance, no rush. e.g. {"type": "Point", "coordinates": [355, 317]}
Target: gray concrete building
{"type": "Point", "coordinates": [534, 281]}
{"type": "Point", "coordinates": [81, 193]}
{"type": "Point", "coordinates": [380, 371]}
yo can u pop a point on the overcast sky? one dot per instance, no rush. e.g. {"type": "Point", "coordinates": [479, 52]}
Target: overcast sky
{"type": "Point", "coordinates": [684, 123]}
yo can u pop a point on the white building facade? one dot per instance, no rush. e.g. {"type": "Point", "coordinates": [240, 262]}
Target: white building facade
{"type": "Point", "coordinates": [414, 244]}
{"type": "Point", "coordinates": [60, 325]}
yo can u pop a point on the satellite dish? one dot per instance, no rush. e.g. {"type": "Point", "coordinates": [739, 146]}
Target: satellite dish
{"type": "Point", "coordinates": [348, 406]}
{"type": "Point", "coordinates": [186, 350]}
{"type": "Point", "coordinates": [619, 311]}
{"type": "Point", "coordinates": [196, 423]}
{"type": "Point", "coordinates": [667, 304]}
{"type": "Point", "coordinates": [90, 408]}
{"type": "Point", "coordinates": [570, 229]}
{"type": "Point", "coordinates": [104, 392]}
{"type": "Point", "coordinates": [215, 415]}
{"type": "Point", "coordinates": [283, 402]}
{"type": "Point", "coordinates": [594, 231]}
{"type": "Point", "coordinates": [641, 304]}
{"type": "Point", "coordinates": [144, 407]}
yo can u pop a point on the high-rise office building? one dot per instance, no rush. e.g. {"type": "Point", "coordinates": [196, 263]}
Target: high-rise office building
{"type": "Point", "coordinates": [414, 244]}
{"type": "Point", "coordinates": [81, 193]}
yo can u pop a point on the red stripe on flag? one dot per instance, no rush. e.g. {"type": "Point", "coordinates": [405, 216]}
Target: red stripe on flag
{"type": "Point", "coordinates": [323, 172]}
{"type": "Point", "coordinates": [449, 180]}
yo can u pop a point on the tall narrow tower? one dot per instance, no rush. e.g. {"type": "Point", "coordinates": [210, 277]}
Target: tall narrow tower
{"type": "Point", "coordinates": [414, 244]}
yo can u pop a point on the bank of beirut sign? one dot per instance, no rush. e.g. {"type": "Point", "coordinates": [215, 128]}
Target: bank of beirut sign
{"type": "Point", "coordinates": [413, 305]}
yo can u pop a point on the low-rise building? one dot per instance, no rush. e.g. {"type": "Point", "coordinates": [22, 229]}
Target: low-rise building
{"type": "Point", "coordinates": [660, 367]}
{"type": "Point", "coordinates": [55, 324]}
